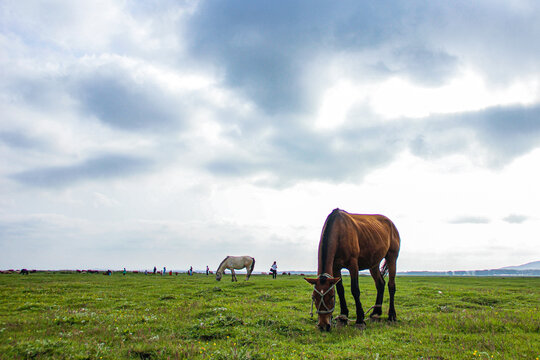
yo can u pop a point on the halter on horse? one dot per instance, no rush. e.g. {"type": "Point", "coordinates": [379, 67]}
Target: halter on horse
{"type": "Point", "coordinates": [322, 295]}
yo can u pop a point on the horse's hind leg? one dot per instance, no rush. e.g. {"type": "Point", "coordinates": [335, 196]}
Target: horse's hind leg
{"type": "Point", "coordinates": [392, 289]}
{"type": "Point", "coordinates": [379, 284]}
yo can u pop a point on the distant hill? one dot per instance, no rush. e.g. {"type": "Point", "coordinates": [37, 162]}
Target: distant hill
{"type": "Point", "coordinates": [535, 265]}
{"type": "Point", "coordinates": [529, 269]}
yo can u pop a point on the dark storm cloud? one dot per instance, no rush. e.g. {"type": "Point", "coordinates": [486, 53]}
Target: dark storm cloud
{"type": "Point", "coordinates": [104, 167]}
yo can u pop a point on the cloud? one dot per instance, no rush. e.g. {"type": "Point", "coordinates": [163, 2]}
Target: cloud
{"type": "Point", "coordinates": [298, 153]}
{"type": "Point", "coordinates": [424, 66]}
{"type": "Point", "coordinates": [502, 133]}
{"type": "Point", "coordinates": [509, 131]}
{"type": "Point", "coordinates": [19, 140]}
{"type": "Point", "coordinates": [493, 137]}
{"type": "Point", "coordinates": [99, 168]}
{"type": "Point", "coordinates": [111, 94]}
{"type": "Point", "coordinates": [278, 56]}
{"type": "Point", "coordinates": [516, 219]}
{"type": "Point", "coordinates": [470, 219]}
{"type": "Point", "coordinates": [282, 58]}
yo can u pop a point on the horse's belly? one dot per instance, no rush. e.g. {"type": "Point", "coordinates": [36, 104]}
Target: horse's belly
{"type": "Point", "coordinates": [367, 261]}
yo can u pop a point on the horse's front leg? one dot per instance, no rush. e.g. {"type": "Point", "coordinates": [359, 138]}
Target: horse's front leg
{"type": "Point", "coordinates": [355, 290]}
{"type": "Point", "coordinates": [344, 313]}
{"type": "Point", "coordinates": [233, 275]}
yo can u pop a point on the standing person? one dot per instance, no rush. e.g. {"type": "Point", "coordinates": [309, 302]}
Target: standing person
{"type": "Point", "coordinates": [190, 270]}
{"type": "Point", "coordinates": [164, 271]}
{"type": "Point", "coordinates": [124, 272]}
{"type": "Point", "coordinates": [155, 269]}
{"type": "Point", "coordinates": [207, 270]}
{"type": "Point", "coordinates": [273, 270]}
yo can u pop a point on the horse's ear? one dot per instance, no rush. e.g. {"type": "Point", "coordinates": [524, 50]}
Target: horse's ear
{"type": "Point", "coordinates": [311, 281]}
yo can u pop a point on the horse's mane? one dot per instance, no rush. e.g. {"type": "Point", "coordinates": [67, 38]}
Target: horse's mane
{"type": "Point", "coordinates": [326, 238]}
{"type": "Point", "coordinates": [219, 267]}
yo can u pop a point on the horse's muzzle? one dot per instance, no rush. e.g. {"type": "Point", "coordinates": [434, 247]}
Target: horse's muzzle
{"type": "Point", "coordinates": [326, 327]}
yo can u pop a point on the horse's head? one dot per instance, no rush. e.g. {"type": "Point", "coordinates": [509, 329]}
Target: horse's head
{"type": "Point", "coordinates": [218, 275]}
{"type": "Point", "coordinates": [324, 299]}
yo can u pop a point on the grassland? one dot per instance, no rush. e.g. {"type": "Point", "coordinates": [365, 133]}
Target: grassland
{"type": "Point", "coordinates": [90, 316]}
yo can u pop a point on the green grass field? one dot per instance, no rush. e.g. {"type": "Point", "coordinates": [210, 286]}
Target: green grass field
{"type": "Point", "coordinates": [90, 316]}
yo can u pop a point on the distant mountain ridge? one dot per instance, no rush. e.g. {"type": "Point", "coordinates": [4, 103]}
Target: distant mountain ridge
{"type": "Point", "coordinates": [534, 265]}
{"type": "Point", "coordinates": [528, 269]}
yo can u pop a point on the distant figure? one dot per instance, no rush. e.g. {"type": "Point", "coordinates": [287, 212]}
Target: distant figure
{"type": "Point", "coordinates": [124, 272]}
{"type": "Point", "coordinates": [207, 270]}
{"type": "Point", "coordinates": [170, 273]}
{"type": "Point", "coordinates": [24, 272]}
{"type": "Point", "coordinates": [191, 271]}
{"type": "Point", "coordinates": [155, 270]}
{"type": "Point", "coordinates": [164, 271]}
{"type": "Point", "coordinates": [145, 272]}
{"type": "Point", "coordinates": [273, 270]}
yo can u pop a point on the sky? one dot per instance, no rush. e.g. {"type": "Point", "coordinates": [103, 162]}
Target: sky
{"type": "Point", "coordinates": [174, 133]}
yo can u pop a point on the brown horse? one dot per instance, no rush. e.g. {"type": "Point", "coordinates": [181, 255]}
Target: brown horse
{"type": "Point", "coordinates": [355, 242]}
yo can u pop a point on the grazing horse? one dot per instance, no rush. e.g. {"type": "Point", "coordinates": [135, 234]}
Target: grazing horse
{"type": "Point", "coordinates": [355, 242]}
{"type": "Point", "coordinates": [235, 262]}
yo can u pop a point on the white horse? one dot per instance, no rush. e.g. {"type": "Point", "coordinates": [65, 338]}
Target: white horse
{"type": "Point", "coordinates": [235, 262]}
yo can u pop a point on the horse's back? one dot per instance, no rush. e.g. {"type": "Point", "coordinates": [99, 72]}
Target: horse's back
{"type": "Point", "coordinates": [367, 237]}
{"type": "Point", "coordinates": [239, 262]}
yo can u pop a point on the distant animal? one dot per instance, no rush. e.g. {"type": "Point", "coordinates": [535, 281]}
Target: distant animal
{"type": "Point", "coordinates": [235, 262]}
{"type": "Point", "coordinates": [24, 272]}
{"type": "Point", "coordinates": [355, 242]}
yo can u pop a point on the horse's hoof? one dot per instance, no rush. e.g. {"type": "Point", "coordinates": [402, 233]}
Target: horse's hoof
{"type": "Point", "coordinates": [360, 326]}
{"type": "Point", "coordinates": [342, 321]}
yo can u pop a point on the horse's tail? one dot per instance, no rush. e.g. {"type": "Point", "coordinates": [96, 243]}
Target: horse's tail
{"type": "Point", "coordinates": [384, 268]}
{"type": "Point", "coordinates": [393, 234]}
{"type": "Point", "coordinates": [252, 265]}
